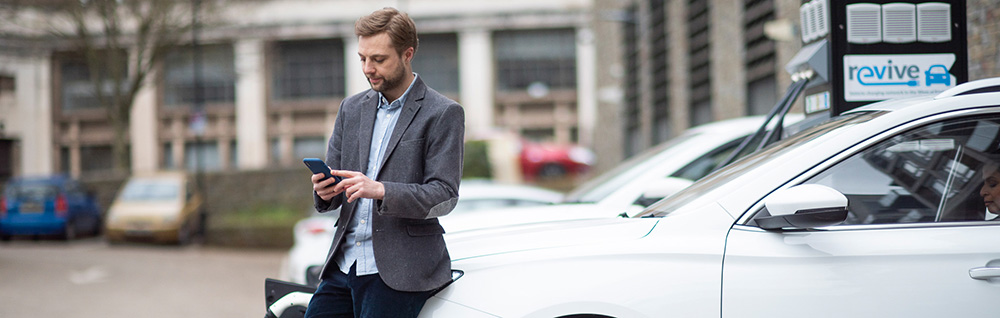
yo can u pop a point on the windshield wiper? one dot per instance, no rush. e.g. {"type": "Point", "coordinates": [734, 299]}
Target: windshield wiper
{"type": "Point", "coordinates": [766, 136]}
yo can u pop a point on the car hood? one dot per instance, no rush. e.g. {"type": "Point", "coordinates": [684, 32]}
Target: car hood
{"type": "Point", "coordinates": [475, 220]}
{"type": "Point", "coordinates": [509, 239]}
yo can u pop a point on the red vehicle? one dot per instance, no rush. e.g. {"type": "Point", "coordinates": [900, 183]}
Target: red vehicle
{"type": "Point", "coordinates": [541, 161]}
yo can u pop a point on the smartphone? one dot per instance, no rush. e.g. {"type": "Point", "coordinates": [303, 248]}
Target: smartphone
{"type": "Point", "coordinates": [318, 166]}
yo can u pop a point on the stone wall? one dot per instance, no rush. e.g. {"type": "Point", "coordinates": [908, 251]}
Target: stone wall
{"type": "Point", "coordinates": [984, 38]}
{"type": "Point", "coordinates": [242, 191]}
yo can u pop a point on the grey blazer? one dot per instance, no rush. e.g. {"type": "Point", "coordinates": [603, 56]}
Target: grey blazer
{"type": "Point", "coordinates": [421, 170]}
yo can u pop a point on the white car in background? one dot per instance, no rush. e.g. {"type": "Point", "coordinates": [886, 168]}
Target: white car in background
{"type": "Point", "coordinates": [636, 183]}
{"type": "Point", "coordinates": [874, 213]}
{"type": "Point", "coordinates": [314, 235]}
{"type": "Point", "coordinates": [627, 189]}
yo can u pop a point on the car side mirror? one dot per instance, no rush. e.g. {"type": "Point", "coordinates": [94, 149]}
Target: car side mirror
{"type": "Point", "coordinates": [803, 207]}
{"type": "Point", "coordinates": [661, 188]}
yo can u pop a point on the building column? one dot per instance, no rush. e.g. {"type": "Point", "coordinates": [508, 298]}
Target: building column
{"type": "Point", "coordinates": [33, 84]}
{"type": "Point", "coordinates": [586, 86]}
{"type": "Point", "coordinates": [608, 144]}
{"type": "Point", "coordinates": [476, 78]}
{"type": "Point", "coordinates": [251, 104]}
{"type": "Point", "coordinates": [728, 75]}
{"type": "Point", "coordinates": [145, 150]}
{"type": "Point", "coordinates": [354, 76]}
{"type": "Point", "coordinates": [680, 77]}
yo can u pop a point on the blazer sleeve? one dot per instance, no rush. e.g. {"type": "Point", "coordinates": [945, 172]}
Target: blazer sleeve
{"type": "Point", "coordinates": [442, 167]}
{"type": "Point", "coordinates": [333, 159]}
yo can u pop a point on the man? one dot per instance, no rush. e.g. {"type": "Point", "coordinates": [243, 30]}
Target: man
{"type": "Point", "coordinates": [399, 148]}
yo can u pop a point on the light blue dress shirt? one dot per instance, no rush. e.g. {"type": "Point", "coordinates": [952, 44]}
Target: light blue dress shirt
{"type": "Point", "coordinates": [357, 246]}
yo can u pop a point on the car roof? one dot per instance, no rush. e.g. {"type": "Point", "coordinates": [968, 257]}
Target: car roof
{"type": "Point", "coordinates": [51, 179]}
{"type": "Point", "coordinates": [976, 93]}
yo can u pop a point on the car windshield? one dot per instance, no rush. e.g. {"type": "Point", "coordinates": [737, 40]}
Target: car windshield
{"type": "Point", "coordinates": [600, 187]}
{"type": "Point", "coordinates": [151, 190]}
{"type": "Point", "coordinates": [736, 169]}
{"type": "Point", "coordinates": [31, 192]}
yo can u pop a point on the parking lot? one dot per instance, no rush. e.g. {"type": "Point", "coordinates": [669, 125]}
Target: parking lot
{"type": "Point", "coordinates": [89, 278]}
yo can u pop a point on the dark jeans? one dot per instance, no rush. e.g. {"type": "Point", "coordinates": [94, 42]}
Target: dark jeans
{"type": "Point", "coordinates": [340, 295]}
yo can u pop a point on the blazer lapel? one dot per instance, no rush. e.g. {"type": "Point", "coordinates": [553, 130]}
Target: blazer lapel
{"type": "Point", "coordinates": [406, 115]}
{"type": "Point", "coordinates": [369, 109]}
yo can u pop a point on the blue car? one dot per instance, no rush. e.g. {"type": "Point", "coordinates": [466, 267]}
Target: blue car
{"type": "Point", "coordinates": [937, 74]}
{"type": "Point", "coordinates": [54, 205]}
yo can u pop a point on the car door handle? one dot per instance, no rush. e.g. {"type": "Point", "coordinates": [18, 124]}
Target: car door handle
{"type": "Point", "coordinates": [984, 273]}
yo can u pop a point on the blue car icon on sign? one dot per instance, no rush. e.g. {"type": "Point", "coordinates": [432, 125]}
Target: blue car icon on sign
{"type": "Point", "coordinates": [937, 74]}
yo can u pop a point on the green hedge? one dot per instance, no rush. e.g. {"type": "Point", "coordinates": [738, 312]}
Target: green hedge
{"type": "Point", "coordinates": [477, 160]}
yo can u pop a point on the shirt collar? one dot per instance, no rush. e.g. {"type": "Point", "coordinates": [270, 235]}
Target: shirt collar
{"type": "Point", "coordinates": [383, 103]}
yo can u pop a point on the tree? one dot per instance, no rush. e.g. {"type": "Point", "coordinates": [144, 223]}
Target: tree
{"type": "Point", "coordinates": [121, 42]}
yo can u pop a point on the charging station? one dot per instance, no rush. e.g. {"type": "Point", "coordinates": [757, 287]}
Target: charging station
{"type": "Point", "coordinates": [855, 52]}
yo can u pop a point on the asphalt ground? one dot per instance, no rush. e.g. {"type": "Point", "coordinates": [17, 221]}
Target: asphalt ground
{"type": "Point", "coordinates": [89, 278]}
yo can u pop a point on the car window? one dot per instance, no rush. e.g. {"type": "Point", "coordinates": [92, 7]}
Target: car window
{"type": "Point", "coordinates": [707, 163]}
{"type": "Point", "coordinates": [607, 183]}
{"type": "Point", "coordinates": [74, 190]}
{"type": "Point", "coordinates": [150, 190]}
{"type": "Point", "coordinates": [704, 190]}
{"type": "Point", "coordinates": [31, 192]}
{"type": "Point", "coordinates": [934, 173]}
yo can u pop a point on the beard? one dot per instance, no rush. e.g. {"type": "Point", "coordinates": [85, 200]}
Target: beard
{"type": "Point", "coordinates": [390, 81]}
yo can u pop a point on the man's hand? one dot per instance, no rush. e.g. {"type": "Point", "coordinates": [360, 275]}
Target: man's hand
{"type": "Point", "coordinates": [357, 185]}
{"type": "Point", "coordinates": [323, 188]}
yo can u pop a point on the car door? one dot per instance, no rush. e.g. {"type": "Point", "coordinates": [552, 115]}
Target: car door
{"type": "Point", "coordinates": [917, 243]}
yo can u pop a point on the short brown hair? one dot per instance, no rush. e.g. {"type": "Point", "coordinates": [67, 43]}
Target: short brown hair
{"type": "Point", "coordinates": [398, 25]}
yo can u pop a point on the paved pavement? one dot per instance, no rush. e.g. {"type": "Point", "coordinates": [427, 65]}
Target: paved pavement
{"type": "Point", "coordinates": [88, 278]}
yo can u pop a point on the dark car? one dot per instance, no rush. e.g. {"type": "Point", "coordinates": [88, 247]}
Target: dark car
{"type": "Point", "coordinates": [55, 205]}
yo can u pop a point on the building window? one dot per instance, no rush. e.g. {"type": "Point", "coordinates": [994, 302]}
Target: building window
{"type": "Point", "coordinates": [76, 88]}
{"type": "Point", "coordinates": [760, 58]}
{"type": "Point", "coordinates": [202, 156]}
{"type": "Point", "coordinates": [64, 160]}
{"type": "Point", "coordinates": [7, 87]}
{"type": "Point", "coordinates": [309, 147]}
{"type": "Point", "coordinates": [168, 157]}
{"type": "Point", "coordinates": [275, 150]}
{"type": "Point", "coordinates": [633, 112]}
{"type": "Point", "coordinates": [437, 62]}
{"type": "Point", "coordinates": [527, 57]}
{"type": "Point", "coordinates": [699, 57]}
{"type": "Point", "coordinates": [659, 58]}
{"type": "Point", "coordinates": [234, 154]}
{"type": "Point", "coordinates": [539, 134]}
{"type": "Point", "coordinates": [96, 159]}
{"type": "Point", "coordinates": [309, 69]}
{"type": "Point", "coordinates": [762, 96]}
{"type": "Point", "coordinates": [218, 75]}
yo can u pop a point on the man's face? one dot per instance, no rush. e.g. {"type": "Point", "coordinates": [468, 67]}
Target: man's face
{"type": "Point", "coordinates": [383, 66]}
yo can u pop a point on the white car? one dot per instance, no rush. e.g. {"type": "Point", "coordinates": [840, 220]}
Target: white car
{"type": "Point", "coordinates": [634, 184]}
{"type": "Point", "coordinates": [314, 235]}
{"type": "Point", "coordinates": [875, 213]}
{"type": "Point", "coordinates": [627, 189]}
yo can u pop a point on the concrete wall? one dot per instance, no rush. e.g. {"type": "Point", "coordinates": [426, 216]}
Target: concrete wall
{"type": "Point", "coordinates": [984, 38]}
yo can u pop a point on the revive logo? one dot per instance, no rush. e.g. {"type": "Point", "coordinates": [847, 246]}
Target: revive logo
{"type": "Point", "coordinates": [879, 77]}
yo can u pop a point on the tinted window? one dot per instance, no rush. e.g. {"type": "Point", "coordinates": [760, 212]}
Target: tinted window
{"type": "Point", "coordinates": [31, 192]}
{"type": "Point", "coordinates": [931, 174]}
{"type": "Point", "coordinates": [706, 164]}
{"type": "Point", "coordinates": [150, 190]}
